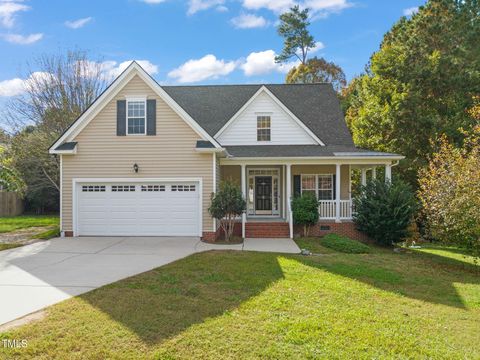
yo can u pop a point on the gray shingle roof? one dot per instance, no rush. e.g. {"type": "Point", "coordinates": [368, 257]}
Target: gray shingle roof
{"type": "Point", "coordinates": [66, 146]}
{"type": "Point", "coordinates": [316, 105]}
{"type": "Point", "coordinates": [300, 151]}
{"type": "Point", "coordinates": [204, 144]}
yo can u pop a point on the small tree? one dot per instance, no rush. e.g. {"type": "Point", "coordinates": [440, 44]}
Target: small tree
{"type": "Point", "coordinates": [317, 70]}
{"type": "Point", "coordinates": [384, 210]}
{"type": "Point", "coordinates": [450, 193]}
{"type": "Point", "coordinates": [305, 211]}
{"type": "Point", "coordinates": [227, 204]}
{"type": "Point", "coordinates": [297, 41]}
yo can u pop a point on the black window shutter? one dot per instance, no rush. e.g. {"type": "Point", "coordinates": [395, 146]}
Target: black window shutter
{"type": "Point", "coordinates": [151, 117]}
{"type": "Point", "coordinates": [297, 186]}
{"type": "Point", "coordinates": [121, 117]}
{"type": "Point", "coordinates": [334, 187]}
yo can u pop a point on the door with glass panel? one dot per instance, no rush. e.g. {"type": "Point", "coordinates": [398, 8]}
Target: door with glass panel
{"type": "Point", "coordinates": [263, 198]}
{"type": "Point", "coordinates": [263, 195]}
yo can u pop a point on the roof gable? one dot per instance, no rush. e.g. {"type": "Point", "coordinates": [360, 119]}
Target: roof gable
{"type": "Point", "coordinates": [134, 69]}
{"type": "Point", "coordinates": [286, 128]}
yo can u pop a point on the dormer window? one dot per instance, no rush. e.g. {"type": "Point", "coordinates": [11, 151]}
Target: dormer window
{"type": "Point", "coordinates": [263, 128]}
{"type": "Point", "coordinates": [136, 118]}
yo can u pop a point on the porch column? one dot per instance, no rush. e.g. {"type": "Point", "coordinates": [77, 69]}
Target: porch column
{"type": "Point", "coordinates": [337, 193]}
{"type": "Point", "coordinates": [289, 196]}
{"type": "Point", "coordinates": [244, 195]}
{"type": "Point", "coordinates": [388, 172]}
{"type": "Point", "coordinates": [374, 173]}
{"type": "Point", "coordinates": [364, 177]}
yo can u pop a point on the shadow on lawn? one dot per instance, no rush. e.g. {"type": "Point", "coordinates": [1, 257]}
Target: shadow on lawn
{"type": "Point", "coordinates": [422, 276]}
{"type": "Point", "coordinates": [162, 303]}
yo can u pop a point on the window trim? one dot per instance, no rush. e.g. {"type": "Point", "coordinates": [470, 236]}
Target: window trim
{"type": "Point", "coordinates": [136, 99]}
{"type": "Point", "coordinates": [316, 185]}
{"type": "Point", "coordinates": [269, 115]}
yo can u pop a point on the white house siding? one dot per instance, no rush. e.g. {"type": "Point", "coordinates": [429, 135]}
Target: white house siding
{"type": "Point", "coordinates": [284, 129]}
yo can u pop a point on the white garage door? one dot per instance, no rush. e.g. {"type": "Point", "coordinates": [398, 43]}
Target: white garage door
{"type": "Point", "coordinates": [142, 209]}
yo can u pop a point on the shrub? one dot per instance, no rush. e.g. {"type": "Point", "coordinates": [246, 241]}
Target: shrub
{"type": "Point", "coordinates": [227, 204]}
{"type": "Point", "coordinates": [384, 210]}
{"type": "Point", "coordinates": [344, 244]}
{"type": "Point", "coordinates": [450, 193]}
{"type": "Point", "coordinates": [305, 211]}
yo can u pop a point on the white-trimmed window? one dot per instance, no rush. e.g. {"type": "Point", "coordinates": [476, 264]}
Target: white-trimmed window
{"type": "Point", "coordinates": [263, 128]}
{"type": "Point", "coordinates": [136, 116]}
{"type": "Point", "coordinates": [320, 185]}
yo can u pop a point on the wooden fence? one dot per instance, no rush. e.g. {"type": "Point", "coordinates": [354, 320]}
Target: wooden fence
{"type": "Point", "coordinates": [10, 204]}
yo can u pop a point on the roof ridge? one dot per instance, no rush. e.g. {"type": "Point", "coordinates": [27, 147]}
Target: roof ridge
{"type": "Point", "coordinates": [227, 85]}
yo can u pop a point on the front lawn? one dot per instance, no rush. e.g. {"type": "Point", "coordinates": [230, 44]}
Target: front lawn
{"type": "Point", "coordinates": [9, 246]}
{"type": "Point", "coordinates": [230, 305]}
{"type": "Point", "coordinates": [9, 224]}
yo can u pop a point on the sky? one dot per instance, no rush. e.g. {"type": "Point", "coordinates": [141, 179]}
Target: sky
{"type": "Point", "coordinates": [188, 42]}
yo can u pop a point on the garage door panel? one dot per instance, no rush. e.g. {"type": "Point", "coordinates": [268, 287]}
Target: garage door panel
{"type": "Point", "coordinates": [141, 209]}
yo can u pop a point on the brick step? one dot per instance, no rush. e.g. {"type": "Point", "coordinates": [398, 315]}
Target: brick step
{"type": "Point", "coordinates": [267, 230]}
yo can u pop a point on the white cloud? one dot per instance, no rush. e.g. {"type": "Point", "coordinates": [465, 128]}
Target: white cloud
{"type": "Point", "coordinates": [195, 6]}
{"type": "Point", "coordinates": [323, 8]}
{"type": "Point", "coordinates": [8, 10]}
{"type": "Point", "coordinates": [208, 67]}
{"type": "Point", "coordinates": [273, 5]}
{"type": "Point", "coordinates": [18, 86]}
{"type": "Point", "coordinates": [112, 69]}
{"type": "Point", "coordinates": [221, 8]}
{"type": "Point", "coordinates": [319, 8]}
{"type": "Point", "coordinates": [12, 87]}
{"type": "Point", "coordinates": [410, 11]}
{"type": "Point", "coordinates": [263, 62]}
{"type": "Point", "coordinates": [22, 39]}
{"type": "Point", "coordinates": [152, 1]}
{"type": "Point", "coordinates": [109, 69]}
{"type": "Point", "coordinates": [77, 24]}
{"type": "Point", "coordinates": [318, 46]}
{"type": "Point", "coordinates": [249, 21]}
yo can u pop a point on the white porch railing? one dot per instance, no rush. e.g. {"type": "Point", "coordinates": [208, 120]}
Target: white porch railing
{"type": "Point", "coordinates": [328, 211]}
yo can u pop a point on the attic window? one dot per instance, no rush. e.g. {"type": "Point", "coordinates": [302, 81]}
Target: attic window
{"type": "Point", "coordinates": [136, 109]}
{"type": "Point", "coordinates": [263, 128]}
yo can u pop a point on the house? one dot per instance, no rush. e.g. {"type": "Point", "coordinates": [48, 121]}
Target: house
{"type": "Point", "coordinates": [144, 159]}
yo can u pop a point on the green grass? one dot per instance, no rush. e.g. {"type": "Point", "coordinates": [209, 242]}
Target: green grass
{"type": "Point", "coordinates": [9, 246]}
{"type": "Point", "coordinates": [332, 242]}
{"type": "Point", "coordinates": [54, 232]}
{"type": "Point", "coordinates": [448, 254]}
{"type": "Point", "coordinates": [9, 224]}
{"type": "Point", "coordinates": [230, 305]}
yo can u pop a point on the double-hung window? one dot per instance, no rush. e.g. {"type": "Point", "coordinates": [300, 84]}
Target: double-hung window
{"type": "Point", "coordinates": [263, 128]}
{"type": "Point", "coordinates": [136, 117]}
{"type": "Point", "coordinates": [319, 185]}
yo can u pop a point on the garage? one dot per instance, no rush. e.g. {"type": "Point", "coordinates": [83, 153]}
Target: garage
{"type": "Point", "coordinates": [138, 209]}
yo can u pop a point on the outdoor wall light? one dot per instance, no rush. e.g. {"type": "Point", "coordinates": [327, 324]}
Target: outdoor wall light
{"type": "Point", "coordinates": [135, 168]}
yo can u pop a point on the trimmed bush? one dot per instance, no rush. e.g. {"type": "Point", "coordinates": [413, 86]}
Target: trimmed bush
{"type": "Point", "coordinates": [227, 204]}
{"type": "Point", "coordinates": [344, 244]}
{"type": "Point", "coordinates": [305, 211]}
{"type": "Point", "coordinates": [384, 210]}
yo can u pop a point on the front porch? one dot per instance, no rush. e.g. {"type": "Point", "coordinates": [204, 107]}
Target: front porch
{"type": "Point", "coordinates": [269, 186]}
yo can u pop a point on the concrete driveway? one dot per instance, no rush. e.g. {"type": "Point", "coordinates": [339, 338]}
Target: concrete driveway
{"type": "Point", "coordinates": [38, 275]}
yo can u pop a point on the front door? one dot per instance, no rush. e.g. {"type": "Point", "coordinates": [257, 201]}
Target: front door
{"type": "Point", "coordinates": [263, 195]}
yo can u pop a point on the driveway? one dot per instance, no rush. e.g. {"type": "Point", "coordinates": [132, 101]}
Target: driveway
{"type": "Point", "coordinates": [41, 274]}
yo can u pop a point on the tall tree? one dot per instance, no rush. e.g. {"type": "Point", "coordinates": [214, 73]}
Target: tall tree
{"type": "Point", "coordinates": [59, 88]}
{"type": "Point", "coordinates": [317, 70]}
{"type": "Point", "coordinates": [293, 28]}
{"type": "Point", "coordinates": [420, 83]}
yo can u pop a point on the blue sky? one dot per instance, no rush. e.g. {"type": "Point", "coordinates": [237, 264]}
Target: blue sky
{"type": "Point", "coordinates": [188, 42]}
